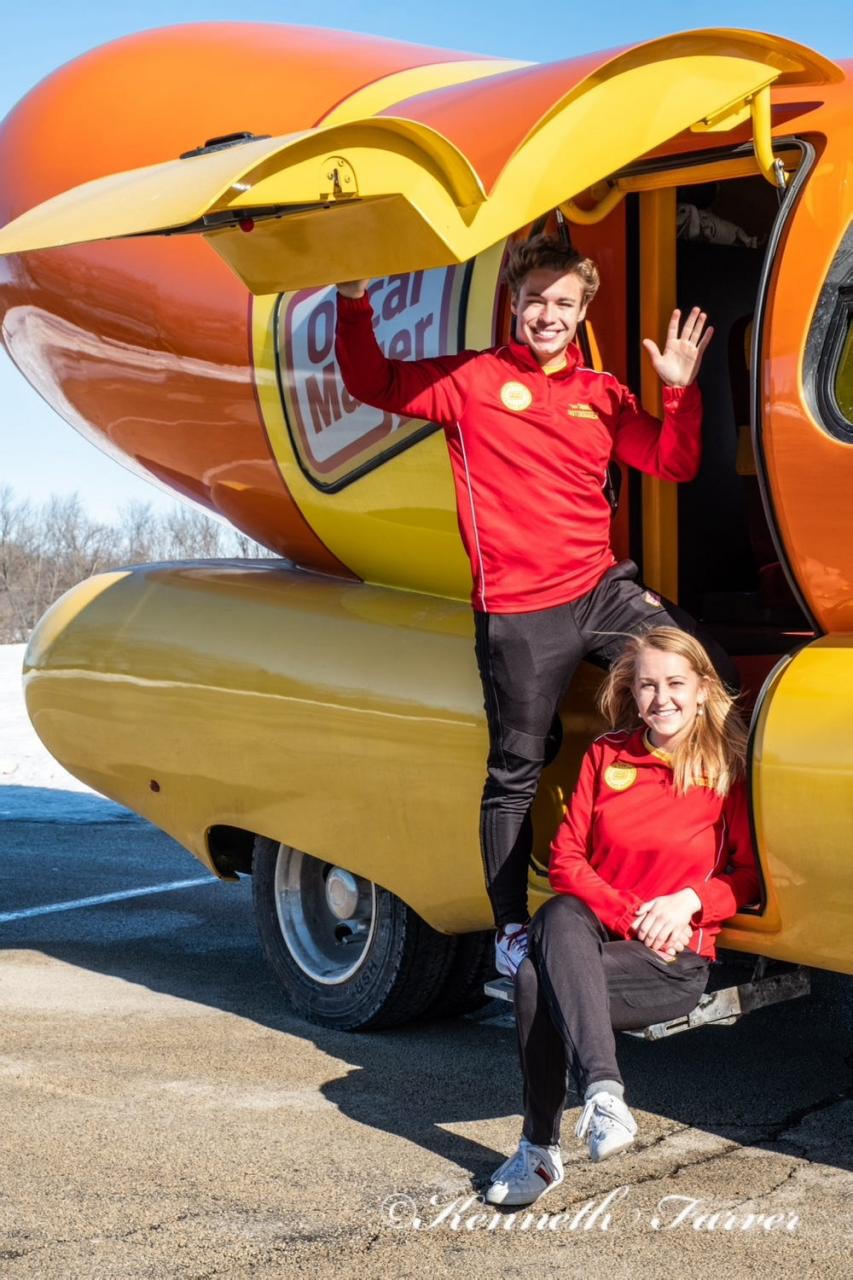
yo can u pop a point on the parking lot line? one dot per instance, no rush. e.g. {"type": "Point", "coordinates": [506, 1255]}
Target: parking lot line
{"type": "Point", "coordinates": [77, 903]}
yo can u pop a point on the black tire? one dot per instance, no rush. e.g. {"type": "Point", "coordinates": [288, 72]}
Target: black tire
{"type": "Point", "coordinates": [473, 966]}
{"type": "Point", "coordinates": [396, 972]}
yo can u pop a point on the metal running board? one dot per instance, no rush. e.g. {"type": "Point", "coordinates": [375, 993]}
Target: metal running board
{"type": "Point", "coordinates": [720, 1008]}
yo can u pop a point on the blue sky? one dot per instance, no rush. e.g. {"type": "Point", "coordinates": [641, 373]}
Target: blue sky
{"type": "Point", "coordinates": [40, 454]}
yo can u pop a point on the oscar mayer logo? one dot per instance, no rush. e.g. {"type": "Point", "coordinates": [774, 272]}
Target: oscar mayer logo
{"type": "Point", "coordinates": [334, 435]}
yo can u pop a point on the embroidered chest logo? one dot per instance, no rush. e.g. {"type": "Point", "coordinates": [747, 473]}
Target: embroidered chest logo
{"type": "Point", "coordinates": [516, 396]}
{"type": "Point", "coordinates": [652, 599]}
{"type": "Point", "coordinates": [582, 411]}
{"type": "Point", "coordinates": [619, 777]}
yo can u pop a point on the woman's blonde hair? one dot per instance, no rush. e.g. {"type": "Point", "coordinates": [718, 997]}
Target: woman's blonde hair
{"type": "Point", "coordinates": [713, 753]}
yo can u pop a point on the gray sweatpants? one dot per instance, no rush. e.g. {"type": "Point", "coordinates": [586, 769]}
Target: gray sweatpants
{"type": "Point", "coordinates": [577, 986]}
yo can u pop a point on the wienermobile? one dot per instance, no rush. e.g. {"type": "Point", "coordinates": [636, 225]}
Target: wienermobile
{"type": "Point", "coordinates": [176, 206]}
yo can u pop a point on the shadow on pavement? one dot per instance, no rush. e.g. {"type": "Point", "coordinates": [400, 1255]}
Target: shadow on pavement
{"type": "Point", "coordinates": [756, 1083]}
{"type": "Point", "coordinates": [47, 804]}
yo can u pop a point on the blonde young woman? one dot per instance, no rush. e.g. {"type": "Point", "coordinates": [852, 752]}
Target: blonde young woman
{"type": "Point", "coordinates": [653, 855]}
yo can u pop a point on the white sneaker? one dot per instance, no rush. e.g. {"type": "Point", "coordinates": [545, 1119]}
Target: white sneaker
{"type": "Point", "coordinates": [607, 1125]}
{"type": "Point", "coordinates": [525, 1176]}
{"type": "Point", "coordinates": [510, 948]}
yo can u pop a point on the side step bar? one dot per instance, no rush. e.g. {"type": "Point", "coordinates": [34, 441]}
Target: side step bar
{"type": "Point", "coordinates": [720, 1008]}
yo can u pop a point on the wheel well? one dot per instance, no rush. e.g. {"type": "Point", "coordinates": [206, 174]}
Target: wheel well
{"type": "Point", "coordinates": [231, 850]}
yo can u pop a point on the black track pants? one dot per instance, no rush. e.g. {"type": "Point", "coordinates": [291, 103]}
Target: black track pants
{"type": "Point", "coordinates": [526, 663]}
{"type": "Point", "coordinates": [576, 987]}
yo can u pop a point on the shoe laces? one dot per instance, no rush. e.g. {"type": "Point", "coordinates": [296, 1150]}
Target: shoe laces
{"type": "Point", "coordinates": [522, 1164]}
{"type": "Point", "coordinates": [515, 940]}
{"type": "Point", "coordinates": [599, 1113]}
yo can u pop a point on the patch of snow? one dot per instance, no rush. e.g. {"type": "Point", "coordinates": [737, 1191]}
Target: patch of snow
{"type": "Point", "coordinates": [33, 786]}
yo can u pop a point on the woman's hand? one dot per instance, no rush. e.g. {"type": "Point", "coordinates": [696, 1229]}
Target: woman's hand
{"type": "Point", "coordinates": [661, 923]}
{"type": "Point", "coordinates": [677, 943]}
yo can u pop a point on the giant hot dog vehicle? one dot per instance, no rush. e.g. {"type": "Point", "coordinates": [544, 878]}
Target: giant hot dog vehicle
{"type": "Point", "coordinates": [176, 206]}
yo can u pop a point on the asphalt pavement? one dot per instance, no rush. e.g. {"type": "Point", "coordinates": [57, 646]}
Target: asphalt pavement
{"type": "Point", "coordinates": [163, 1115]}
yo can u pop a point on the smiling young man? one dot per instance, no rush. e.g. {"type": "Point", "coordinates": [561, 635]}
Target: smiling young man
{"type": "Point", "coordinates": [530, 432]}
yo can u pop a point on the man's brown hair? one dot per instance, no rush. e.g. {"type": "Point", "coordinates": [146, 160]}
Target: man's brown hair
{"type": "Point", "coordinates": [549, 252]}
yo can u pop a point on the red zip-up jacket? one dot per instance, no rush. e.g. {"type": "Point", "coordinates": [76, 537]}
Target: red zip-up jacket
{"type": "Point", "coordinates": [628, 837]}
{"type": "Point", "coordinates": [529, 453]}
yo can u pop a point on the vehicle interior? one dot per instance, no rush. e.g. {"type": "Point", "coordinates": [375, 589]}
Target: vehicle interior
{"type": "Point", "coordinates": [714, 234]}
{"type": "Point", "coordinates": [729, 570]}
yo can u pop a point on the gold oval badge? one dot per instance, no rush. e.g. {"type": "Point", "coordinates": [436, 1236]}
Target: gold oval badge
{"type": "Point", "coordinates": [619, 777]}
{"type": "Point", "coordinates": [516, 396]}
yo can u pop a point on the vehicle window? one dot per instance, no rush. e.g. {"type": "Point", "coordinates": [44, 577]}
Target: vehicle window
{"type": "Point", "coordinates": [828, 364]}
{"type": "Point", "coordinates": [844, 376]}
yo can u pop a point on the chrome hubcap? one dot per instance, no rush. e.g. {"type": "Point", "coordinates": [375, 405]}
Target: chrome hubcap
{"type": "Point", "coordinates": [342, 893]}
{"type": "Point", "coordinates": [326, 914]}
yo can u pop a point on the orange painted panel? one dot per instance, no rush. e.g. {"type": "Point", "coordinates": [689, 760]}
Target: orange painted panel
{"type": "Point", "coordinates": [148, 97]}
{"type": "Point", "coordinates": [809, 471]}
{"type": "Point", "coordinates": [488, 120]}
{"type": "Point", "coordinates": [143, 345]}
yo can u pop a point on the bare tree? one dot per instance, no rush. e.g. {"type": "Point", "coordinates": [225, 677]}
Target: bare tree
{"type": "Point", "coordinates": [46, 550]}
{"type": "Point", "coordinates": [139, 534]}
{"type": "Point", "coordinates": [190, 534]}
{"type": "Point", "coordinates": [18, 550]}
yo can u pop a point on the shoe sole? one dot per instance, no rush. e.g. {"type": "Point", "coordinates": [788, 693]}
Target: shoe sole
{"type": "Point", "coordinates": [520, 1204]}
{"type": "Point", "coordinates": [611, 1151]}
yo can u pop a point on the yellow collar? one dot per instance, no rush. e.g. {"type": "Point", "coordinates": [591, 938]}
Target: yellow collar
{"type": "Point", "coordinates": [665, 756]}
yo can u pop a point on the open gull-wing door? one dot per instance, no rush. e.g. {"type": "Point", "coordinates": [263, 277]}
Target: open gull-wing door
{"type": "Point", "coordinates": [438, 178]}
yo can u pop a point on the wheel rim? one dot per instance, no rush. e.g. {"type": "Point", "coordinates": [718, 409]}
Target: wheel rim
{"type": "Point", "coordinates": [327, 915]}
